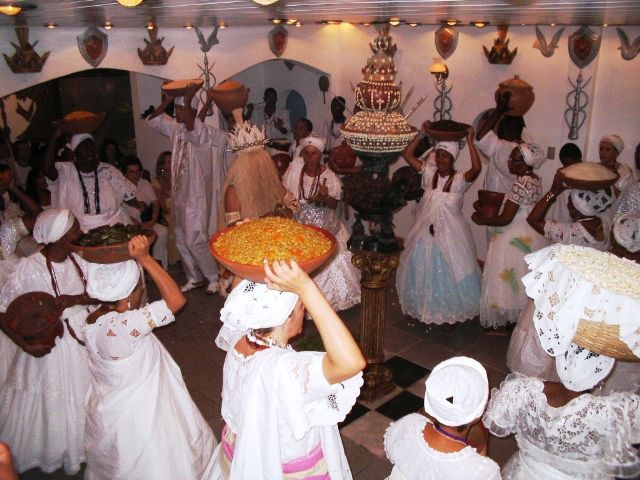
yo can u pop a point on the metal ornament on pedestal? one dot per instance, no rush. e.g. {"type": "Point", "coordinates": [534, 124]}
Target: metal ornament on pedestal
{"type": "Point", "coordinates": [577, 101]}
{"type": "Point", "coordinates": [442, 103]}
{"type": "Point", "coordinates": [207, 71]}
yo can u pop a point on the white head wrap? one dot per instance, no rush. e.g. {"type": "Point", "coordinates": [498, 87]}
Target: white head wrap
{"type": "Point", "coordinates": [614, 140]}
{"type": "Point", "coordinates": [580, 369]}
{"type": "Point", "coordinates": [626, 230]}
{"type": "Point", "coordinates": [591, 203]}
{"type": "Point", "coordinates": [252, 305]}
{"type": "Point", "coordinates": [532, 154]}
{"type": "Point", "coordinates": [112, 282]}
{"type": "Point", "coordinates": [452, 148]}
{"type": "Point", "coordinates": [456, 391]}
{"type": "Point", "coordinates": [52, 224]}
{"type": "Point", "coordinates": [78, 139]}
{"type": "Point", "coordinates": [315, 141]}
{"type": "Point", "coordinates": [195, 101]}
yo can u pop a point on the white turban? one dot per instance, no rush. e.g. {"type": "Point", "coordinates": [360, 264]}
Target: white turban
{"type": "Point", "coordinates": [450, 147]}
{"type": "Point", "coordinates": [626, 230]}
{"type": "Point", "coordinates": [591, 203]}
{"type": "Point", "coordinates": [614, 140]}
{"type": "Point", "coordinates": [315, 141]}
{"type": "Point", "coordinates": [52, 224]}
{"type": "Point", "coordinates": [457, 391]}
{"type": "Point", "coordinates": [78, 139]}
{"type": "Point", "coordinates": [532, 154]}
{"type": "Point", "coordinates": [113, 281]}
{"type": "Point", "coordinates": [195, 101]}
{"type": "Point", "coordinates": [253, 305]}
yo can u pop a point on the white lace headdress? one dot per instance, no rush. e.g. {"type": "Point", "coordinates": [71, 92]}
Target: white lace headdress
{"type": "Point", "coordinates": [246, 137]}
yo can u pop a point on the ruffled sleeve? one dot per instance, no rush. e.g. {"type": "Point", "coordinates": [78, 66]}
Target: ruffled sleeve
{"type": "Point", "coordinates": [507, 404]}
{"type": "Point", "coordinates": [401, 440]}
{"type": "Point", "coordinates": [525, 190]}
{"type": "Point", "coordinates": [333, 183]}
{"type": "Point", "coordinates": [126, 189]}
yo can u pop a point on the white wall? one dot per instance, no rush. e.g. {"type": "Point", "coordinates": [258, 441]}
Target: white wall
{"type": "Point", "coordinates": [341, 51]}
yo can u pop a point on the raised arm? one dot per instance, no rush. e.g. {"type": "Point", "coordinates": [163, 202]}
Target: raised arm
{"type": "Point", "coordinates": [476, 166]}
{"type": "Point", "coordinates": [343, 359]}
{"type": "Point", "coordinates": [409, 153]}
{"type": "Point", "coordinates": [166, 100]}
{"type": "Point", "coordinates": [502, 106]}
{"type": "Point", "coordinates": [49, 160]}
{"type": "Point", "coordinates": [536, 217]}
{"type": "Point", "coordinates": [189, 116]}
{"type": "Point", "coordinates": [202, 114]}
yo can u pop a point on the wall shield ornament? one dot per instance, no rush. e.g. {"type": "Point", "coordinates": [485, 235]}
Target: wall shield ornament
{"type": "Point", "coordinates": [278, 37]}
{"type": "Point", "coordinates": [584, 45]}
{"type": "Point", "coordinates": [93, 45]}
{"type": "Point", "coordinates": [446, 41]}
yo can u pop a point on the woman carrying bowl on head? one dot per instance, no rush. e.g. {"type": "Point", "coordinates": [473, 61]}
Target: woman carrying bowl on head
{"type": "Point", "coordinates": [438, 278]}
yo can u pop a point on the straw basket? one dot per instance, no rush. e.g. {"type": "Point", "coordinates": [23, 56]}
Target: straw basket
{"type": "Point", "coordinates": [603, 339]}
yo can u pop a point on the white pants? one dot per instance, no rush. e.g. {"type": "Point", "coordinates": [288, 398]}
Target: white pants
{"type": "Point", "coordinates": [197, 262]}
{"type": "Point", "coordinates": [159, 249]}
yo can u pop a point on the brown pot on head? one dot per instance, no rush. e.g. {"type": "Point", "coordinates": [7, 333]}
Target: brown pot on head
{"type": "Point", "coordinates": [230, 95]}
{"type": "Point", "coordinates": [522, 96]}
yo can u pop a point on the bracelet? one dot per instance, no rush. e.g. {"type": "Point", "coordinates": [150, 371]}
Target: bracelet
{"type": "Point", "coordinates": [549, 196]}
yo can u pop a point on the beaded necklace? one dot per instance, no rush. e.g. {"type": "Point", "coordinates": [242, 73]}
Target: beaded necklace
{"type": "Point", "coordinates": [443, 432]}
{"type": "Point", "coordinates": [54, 280]}
{"type": "Point", "coordinates": [315, 185]}
{"type": "Point", "coordinates": [85, 195]}
{"type": "Point", "coordinates": [268, 342]}
{"type": "Point", "coordinates": [447, 185]}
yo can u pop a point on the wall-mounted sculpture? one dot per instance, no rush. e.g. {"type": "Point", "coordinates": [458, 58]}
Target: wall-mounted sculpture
{"type": "Point", "coordinates": [154, 53]}
{"type": "Point", "coordinates": [628, 50]}
{"type": "Point", "coordinates": [93, 45]}
{"type": "Point", "coordinates": [206, 70]}
{"type": "Point", "coordinates": [499, 53]}
{"type": "Point", "coordinates": [541, 42]}
{"type": "Point", "coordinates": [446, 41]}
{"type": "Point", "coordinates": [278, 38]}
{"type": "Point", "coordinates": [25, 59]}
{"type": "Point", "coordinates": [584, 44]}
{"type": "Point", "coordinates": [577, 101]}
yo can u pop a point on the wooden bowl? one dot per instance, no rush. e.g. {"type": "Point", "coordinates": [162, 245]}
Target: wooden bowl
{"type": "Point", "coordinates": [108, 253]}
{"type": "Point", "coordinates": [255, 273]}
{"type": "Point", "coordinates": [588, 176]}
{"type": "Point", "coordinates": [178, 88]}
{"type": "Point", "coordinates": [447, 130]}
{"type": "Point", "coordinates": [35, 317]}
{"type": "Point", "coordinates": [230, 95]}
{"type": "Point", "coordinates": [81, 122]}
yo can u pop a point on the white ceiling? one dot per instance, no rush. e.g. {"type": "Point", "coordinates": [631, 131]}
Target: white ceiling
{"type": "Point", "coordinates": [177, 13]}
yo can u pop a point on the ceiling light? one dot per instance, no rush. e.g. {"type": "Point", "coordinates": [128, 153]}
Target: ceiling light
{"type": "Point", "coordinates": [334, 22]}
{"type": "Point", "coordinates": [265, 2]}
{"type": "Point", "coordinates": [479, 24]}
{"type": "Point", "coordinates": [605, 24]}
{"type": "Point", "coordinates": [188, 26]}
{"type": "Point", "coordinates": [552, 24]}
{"type": "Point", "coordinates": [452, 23]}
{"type": "Point", "coordinates": [10, 10]}
{"type": "Point", "coordinates": [366, 24]}
{"type": "Point", "coordinates": [276, 21]}
{"type": "Point", "coordinates": [150, 26]}
{"type": "Point", "coordinates": [394, 21]}
{"type": "Point", "coordinates": [413, 24]}
{"type": "Point", "coordinates": [108, 25]}
{"type": "Point", "coordinates": [298, 23]}
{"type": "Point", "coordinates": [291, 21]}
{"type": "Point", "coordinates": [129, 3]}
{"type": "Point", "coordinates": [523, 24]}
{"type": "Point", "coordinates": [223, 25]}
{"type": "Point", "coordinates": [51, 25]}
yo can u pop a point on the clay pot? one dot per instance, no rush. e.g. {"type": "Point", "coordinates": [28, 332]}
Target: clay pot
{"type": "Point", "coordinates": [230, 95]}
{"type": "Point", "coordinates": [522, 96]}
{"type": "Point", "coordinates": [344, 156]}
{"type": "Point", "coordinates": [489, 203]}
{"type": "Point", "coordinates": [378, 96]}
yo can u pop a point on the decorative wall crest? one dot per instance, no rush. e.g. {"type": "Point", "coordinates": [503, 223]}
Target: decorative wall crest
{"type": "Point", "coordinates": [278, 38]}
{"type": "Point", "coordinates": [627, 50]}
{"type": "Point", "coordinates": [154, 53]}
{"type": "Point", "coordinates": [499, 53]}
{"type": "Point", "coordinates": [93, 45]}
{"type": "Point", "coordinates": [541, 42]}
{"type": "Point", "coordinates": [25, 59]}
{"type": "Point", "coordinates": [446, 41]}
{"type": "Point", "coordinates": [584, 44]}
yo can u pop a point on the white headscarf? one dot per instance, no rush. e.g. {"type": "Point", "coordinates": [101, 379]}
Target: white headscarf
{"type": "Point", "coordinates": [112, 282]}
{"type": "Point", "coordinates": [457, 391]}
{"type": "Point", "coordinates": [195, 101]}
{"type": "Point", "coordinates": [315, 141]}
{"type": "Point", "coordinates": [450, 147]}
{"type": "Point", "coordinates": [532, 154]}
{"type": "Point", "coordinates": [626, 230]}
{"type": "Point", "coordinates": [614, 140]}
{"type": "Point", "coordinates": [51, 225]}
{"type": "Point", "coordinates": [252, 305]}
{"type": "Point", "coordinates": [78, 139]}
{"type": "Point", "coordinates": [591, 203]}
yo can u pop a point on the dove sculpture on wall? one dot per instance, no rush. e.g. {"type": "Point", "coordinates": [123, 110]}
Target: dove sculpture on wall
{"type": "Point", "coordinates": [541, 43]}
{"type": "Point", "coordinates": [627, 50]}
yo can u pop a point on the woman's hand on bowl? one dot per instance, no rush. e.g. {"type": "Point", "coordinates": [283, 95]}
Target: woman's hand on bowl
{"type": "Point", "coordinates": [139, 246]}
{"type": "Point", "coordinates": [285, 276]}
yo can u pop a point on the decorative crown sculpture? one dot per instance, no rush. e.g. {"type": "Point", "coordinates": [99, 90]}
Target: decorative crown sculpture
{"type": "Point", "coordinates": [246, 137]}
{"type": "Point", "coordinates": [25, 59]}
{"type": "Point", "coordinates": [154, 53]}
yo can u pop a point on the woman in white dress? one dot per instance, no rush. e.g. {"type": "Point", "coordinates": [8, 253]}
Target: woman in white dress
{"type": "Point", "coordinates": [436, 448]}
{"type": "Point", "coordinates": [281, 408]}
{"type": "Point", "coordinates": [610, 147]}
{"type": "Point", "coordinates": [141, 421]}
{"type": "Point", "coordinates": [44, 385]}
{"type": "Point", "coordinates": [503, 296]}
{"type": "Point", "coordinates": [438, 278]}
{"type": "Point", "coordinates": [318, 190]}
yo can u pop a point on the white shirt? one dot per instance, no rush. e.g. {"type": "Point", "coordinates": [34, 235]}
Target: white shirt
{"type": "Point", "coordinates": [145, 194]}
{"type": "Point", "coordinates": [498, 177]}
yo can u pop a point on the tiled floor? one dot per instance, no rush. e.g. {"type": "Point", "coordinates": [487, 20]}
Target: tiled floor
{"type": "Point", "coordinates": [411, 349]}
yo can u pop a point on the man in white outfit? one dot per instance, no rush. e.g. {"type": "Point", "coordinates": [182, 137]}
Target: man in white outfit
{"type": "Point", "coordinates": [193, 155]}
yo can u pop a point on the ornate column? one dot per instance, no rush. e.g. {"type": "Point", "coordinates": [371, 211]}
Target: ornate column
{"type": "Point", "coordinates": [376, 269]}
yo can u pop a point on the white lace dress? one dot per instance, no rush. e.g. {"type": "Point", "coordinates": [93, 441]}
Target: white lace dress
{"type": "Point", "coordinates": [42, 416]}
{"type": "Point", "coordinates": [338, 279]}
{"type": "Point", "coordinates": [413, 459]}
{"type": "Point", "coordinates": [588, 438]}
{"type": "Point", "coordinates": [281, 416]}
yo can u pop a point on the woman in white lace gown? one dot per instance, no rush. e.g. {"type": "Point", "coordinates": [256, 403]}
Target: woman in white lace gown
{"type": "Point", "coordinates": [42, 416]}
{"type": "Point", "coordinates": [438, 278]}
{"type": "Point", "coordinates": [281, 408]}
{"type": "Point", "coordinates": [141, 422]}
{"type": "Point", "coordinates": [565, 436]}
{"type": "Point", "coordinates": [503, 296]}
{"type": "Point", "coordinates": [318, 190]}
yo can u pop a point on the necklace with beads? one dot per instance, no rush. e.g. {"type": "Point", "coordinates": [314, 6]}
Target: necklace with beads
{"type": "Point", "coordinates": [315, 185]}
{"type": "Point", "coordinates": [268, 342]}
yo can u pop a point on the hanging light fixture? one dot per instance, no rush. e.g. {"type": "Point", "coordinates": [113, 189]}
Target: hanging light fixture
{"type": "Point", "coordinates": [10, 10]}
{"type": "Point", "coordinates": [265, 2]}
{"type": "Point", "coordinates": [129, 3]}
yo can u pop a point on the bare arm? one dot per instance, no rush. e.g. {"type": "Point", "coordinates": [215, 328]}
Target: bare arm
{"type": "Point", "coordinates": [536, 217]}
{"type": "Point", "coordinates": [506, 216]}
{"type": "Point", "coordinates": [29, 205]}
{"type": "Point", "coordinates": [476, 166]}
{"type": "Point", "coordinates": [202, 114]}
{"type": "Point", "coordinates": [409, 154]}
{"type": "Point", "coordinates": [166, 100]}
{"type": "Point", "coordinates": [343, 359]}
{"type": "Point", "coordinates": [502, 106]}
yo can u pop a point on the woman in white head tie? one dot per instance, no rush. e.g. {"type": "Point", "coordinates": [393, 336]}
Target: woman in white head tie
{"type": "Point", "coordinates": [610, 148]}
{"type": "Point", "coordinates": [437, 447]}
{"type": "Point", "coordinates": [319, 190]}
{"type": "Point", "coordinates": [281, 408]}
{"type": "Point", "coordinates": [438, 278]}
{"type": "Point", "coordinates": [43, 389]}
{"type": "Point", "coordinates": [141, 421]}
{"type": "Point", "coordinates": [503, 296]}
